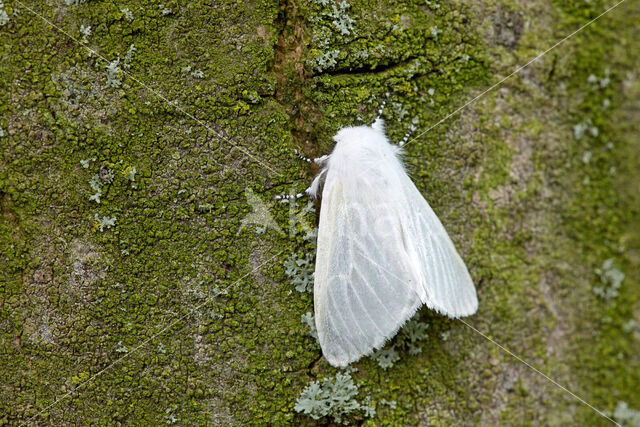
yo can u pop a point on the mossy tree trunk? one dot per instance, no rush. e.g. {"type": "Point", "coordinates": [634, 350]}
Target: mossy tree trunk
{"type": "Point", "coordinates": [141, 139]}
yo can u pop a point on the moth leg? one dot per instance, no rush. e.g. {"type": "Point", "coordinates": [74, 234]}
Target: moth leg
{"type": "Point", "coordinates": [292, 196]}
{"type": "Point", "coordinates": [314, 188]}
{"type": "Point", "coordinates": [316, 160]}
{"type": "Point", "coordinates": [407, 135]}
{"type": "Point", "coordinates": [312, 191]}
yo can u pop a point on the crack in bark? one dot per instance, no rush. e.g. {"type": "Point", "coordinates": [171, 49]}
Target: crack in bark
{"type": "Point", "coordinates": [291, 74]}
{"type": "Point", "coordinates": [364, 69]}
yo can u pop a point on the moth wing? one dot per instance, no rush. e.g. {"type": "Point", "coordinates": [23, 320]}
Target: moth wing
{"type": "Point", "coordinates": [448, 287]}
{"type": "Point", "coordinates": [366, 287]}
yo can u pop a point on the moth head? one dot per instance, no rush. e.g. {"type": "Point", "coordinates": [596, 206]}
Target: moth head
{"type": "Point", "coordinates": [361, 135]}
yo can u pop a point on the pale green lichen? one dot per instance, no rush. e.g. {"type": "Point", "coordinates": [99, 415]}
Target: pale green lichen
{"type": "Point", "coordinates": [113, 74]}
{"type": "Point", "coordinates": [164, 10]}
{"type": "Point", "coordinates": [410, 338]}
{"type": "Point", "coordinates": [300, 271]}
{"type": "Point", "coordinates": [390, 403]}
{"type": "Point", "coordinates": [601, 82]}
{"type": "Point", "coordinates": [413, 333]}
{"type": "Point", "coordinates": [105, 222]}
{"type": "Point", "coordinates": [128, 15]}
{"type": "Point", "coordinates": [580, 129]}
{"type": "Point", "coordinates": [309, 319]}
{"type": "Point", "coordinates": [4, 16]}
{"type": "Point", "coordinates": [130, 173]}
{"type": "Point", "coordinates": [96, 186]}
{"type": "Point", "coordinates": [340, 17]}
{"type": "Point", "coordinates": [326, 60]}
{"type": "Point", "coordinates": [625, 415]}
{"type": "Point", "coordinates": [368, 409]}
{"type": "Point", "coordinates": [386, 357]}
{"type": "Point", "coordinates": [128, 57]}
{"type": "Point", "coordinates": [86, 162]}
{"type": "Point", "coordinates": [611, 278]}
{"type": "Point", "coordinates": [335, 397]}
{"type": "Point", "coordinates": [85, 31]}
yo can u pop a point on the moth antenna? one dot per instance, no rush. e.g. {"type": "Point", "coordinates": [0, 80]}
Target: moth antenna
{"type": "Point", "coordinates": [407, 135]}
{"type": "Point", "coordinates": [378, 123]}
{"type": "Point", "coordinates": [384, 103]}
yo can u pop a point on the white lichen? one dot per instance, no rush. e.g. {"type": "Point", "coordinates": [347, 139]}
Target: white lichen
{"type": "Point", "coordinates": [96, 186]}
{"type": "Point", "coordinates": [121, 348]}
{"type": "Point", "coordinates": [611, 279]}
{"type": "Point", "coordinates": [335, 397]}
{"type": "Point", "coordinates": [390, 403]}
{"type": "Point", "coordinates": [4, 16]}
{"type": "Point", "coordinates": [127, 14]}
{"type": "Point", "coordinates": [309, 320]}
{"type": "Point", "coordinates": [367, 408]}
{"type": "Point", "coordinates": [85, 162]}
{"type": "Point", "coordinates": [311, 236]}
{"type": "Point", "coordinates": [626, 416]}
{"type": "Point", "coordinates": [128, 57]}
{"type": "Point", "coordinates": [386, 358]}
{"type": "Point", "coordinates": [131, 176]}
{"type": "Point", "coordinates": [432, 4]}
{"type": "Point", "coordinates": [580, 129]}
{"type": "Point", "coordinates": [340, 18]}
{"type": "Point", "coordinates": [631, 326]}
{"type": "Point", "coordinates": [85, 30]}
{"type": "Point", "coordinates": [165, 11]}
{"type": "Point", "coordinates": [400, 111]}
{"type": "Point", "coordinates": [326, 60]}
{"type": "Point", "coordinates": [431, 92]}
{"type": "Point", "coordinates": [104, 222]}
{"type": "Point", "coordinates": [411, 336]}
{"type": "Point", "coordinates": [196, 74]}
{"type": "Point", "coordinates": [300, 271]}
{"type": "Point", "coordinates": [113, 73]}
{"type": "Point", "coordinates": [602, 82]}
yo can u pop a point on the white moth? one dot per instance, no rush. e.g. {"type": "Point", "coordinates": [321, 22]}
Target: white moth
{"type": "Point", "coordinates": [381, 251]}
